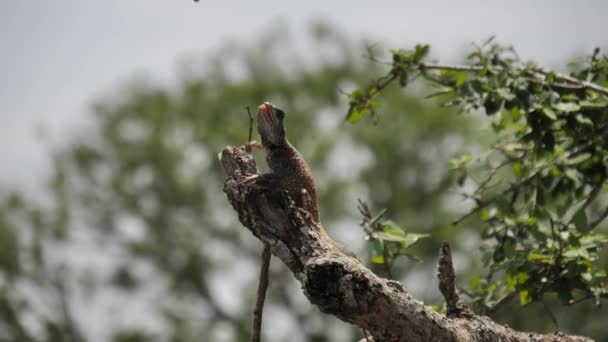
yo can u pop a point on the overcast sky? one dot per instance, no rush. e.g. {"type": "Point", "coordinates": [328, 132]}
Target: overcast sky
{"type": "Point", "coordinates": [57, 56]}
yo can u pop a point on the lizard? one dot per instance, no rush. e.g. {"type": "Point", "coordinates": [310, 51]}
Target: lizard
{"type": "Point", "coordinates": [289, 170]}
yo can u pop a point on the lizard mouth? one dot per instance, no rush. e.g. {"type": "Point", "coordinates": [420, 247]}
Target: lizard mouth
{"type": "Point", "coordinates": [266, 114]}
{"type": "Point", "coordinates": [270, 125]}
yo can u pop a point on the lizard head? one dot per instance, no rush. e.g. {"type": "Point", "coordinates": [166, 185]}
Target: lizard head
{"type": "Point", "coordinates": [270, 125]}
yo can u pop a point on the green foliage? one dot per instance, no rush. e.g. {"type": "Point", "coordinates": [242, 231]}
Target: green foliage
{"type": "Point", "coordinates": [361, 101]}
{"type": "Point", "coordinates": [539, 187]}
{"type": "Point", "coordinates": [387, 239]}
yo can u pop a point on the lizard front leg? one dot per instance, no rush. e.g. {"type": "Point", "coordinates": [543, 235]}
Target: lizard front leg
{"type": "Point", "coordinates": [267, 180]}
{"type": "Point", "coordinates": [307, 206]}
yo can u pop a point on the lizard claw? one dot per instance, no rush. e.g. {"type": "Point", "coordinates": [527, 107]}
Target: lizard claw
{"type": "Point", "coordinates": [306, 214]}
{"type": "Point", "coordinates": [249, 179]}
{"type": "Point", "coordinates": [253, 144]}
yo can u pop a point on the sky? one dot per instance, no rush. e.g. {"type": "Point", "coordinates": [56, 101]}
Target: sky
{"type": "Point", "coordinates": [59, 56]}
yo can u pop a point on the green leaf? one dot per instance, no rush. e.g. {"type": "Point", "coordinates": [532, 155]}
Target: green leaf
{"type": "Point", "coordinates": [524, 297]}
{"type": "Point", "coordinates": [461, 77]}
{"type": "Point", "coordinates": [522, 277]}
{"type": "Point", "coordinates": [578, 159]}
{"type": "Point", "coordinates": [510, 282]}
{"type": "Point", "coordinates": [388, 237]}
{"type": "Point", "coordinates": [356, 114]}
{"type": "Point", "coordinates": [378, 259]}
{"type": "Point", "coordinates": [586, 104]}
{"type": "Point", "coordinates": [549, 113]}
{"type": "Point", "coordinates": [505, 94]}
{"type": "Point", "coordinates": [420, 52]}
{"type": "Point", "coordinates": [474, 282]}
{"type": "Point", "coordinates": [515, 114]}
{"type": "Point", "coordinates": [580, 220]}
{"type": "Point", "coordinates": [516, 166]}
{"type": "Point", "coordinates": [412, 238]}
{"type": "Point", "coordinates": [546, 259]}
{"type": "Point", "coordinates": [567, 107]}
{"type": "Point", "coordinates": [378, 216]}
{"type": "Point", "coordinates": [572, 210]}
{"type": "Point", "coordinates": [583, 120]}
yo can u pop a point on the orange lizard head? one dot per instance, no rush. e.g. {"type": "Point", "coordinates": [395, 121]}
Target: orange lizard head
{"type": "Point", "coordinates": [270, 125]}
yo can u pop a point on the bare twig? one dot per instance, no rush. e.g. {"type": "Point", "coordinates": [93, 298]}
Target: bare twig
{"type": "Point", "coordinates": [551, 314]}
{"type": "Point", "coordinates": [599, 219]}
{"type": "Point", "coordinates": [484, 203]}
{"type": "Point", "coordinates": [71, 326]}
{"type": "Point", "coordinates": [250, 124]}
{"type": "Point", "coordinates": [593, 194]}
{"type": "Point", "coordinates": [261, 295]}
{"type": "Point", "coordinates": [249, 142]}
{"type": "Point", "coordinates": [503, 300]}
{"type": "Point", "coordinates": [591, 197]}
{"type": "Point", "coordinates": [387, 265]}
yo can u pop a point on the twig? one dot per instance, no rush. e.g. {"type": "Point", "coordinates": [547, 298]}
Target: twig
{"type": "Point", "coordinates": [250, 123]}
{"type": "Point", "coordinates": [248, 146]}
{"type": "Point", "coordinates": [503, 300]}
{"type": "Point", "coordinates": [599, 219]}
{"type": "Point", "coordinates": [551, 314]}
{"type": "Point", "coordinates": [593, 194]}
{"type": "Point", "coordinates": [484, 203]}
{"type": "Point", "coordinates": [591, 197]}
{"type": "Point", "coordinates": [577, 82]}
{"type": "Point", "coordinates": [71, 326]}
{"type": "Point", "coordinates": [558, 239]}
{"type": "Point", "coordinates": [580, 300]}
{"type": "Point", "coordinates": [387, 266]}
{"type": "Point", "coordinates": [261, 295]}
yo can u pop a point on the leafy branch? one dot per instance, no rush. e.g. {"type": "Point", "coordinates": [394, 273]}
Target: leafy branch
{"type": "Point", "coordinates": [537, 185]}
{"type": "Point", "coordinates": [388, 240]}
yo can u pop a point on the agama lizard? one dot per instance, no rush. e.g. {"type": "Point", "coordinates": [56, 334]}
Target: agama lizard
{"type": "Point", "coordinates": [290, 172]}
{"type": "Point", "coordinates": [288, 168]}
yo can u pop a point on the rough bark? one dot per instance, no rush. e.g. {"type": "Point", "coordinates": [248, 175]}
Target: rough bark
{"type": "Point", "coordinates": [340, 285]}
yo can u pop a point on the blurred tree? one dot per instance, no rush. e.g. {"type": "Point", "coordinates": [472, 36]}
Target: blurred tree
{"type": "Point", "coordinates": [136, 242]}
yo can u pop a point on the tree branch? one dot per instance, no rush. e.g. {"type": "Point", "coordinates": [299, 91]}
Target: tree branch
{"type": "Point", "coordinates": [446, 277]}
{"type": "Point", "coordinates": [567, 82]}
{"type": "Point", "coordinates": [340, 285]}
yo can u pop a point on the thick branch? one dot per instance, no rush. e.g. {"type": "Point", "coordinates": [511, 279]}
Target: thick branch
{"type": "Point", "coordinates": [340, 285]}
